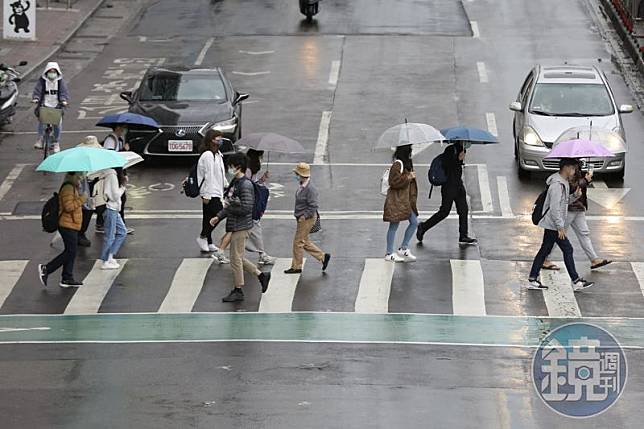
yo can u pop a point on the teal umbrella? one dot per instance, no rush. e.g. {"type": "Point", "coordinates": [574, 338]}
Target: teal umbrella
{"type": "Point", "coordinates": [82, 159]}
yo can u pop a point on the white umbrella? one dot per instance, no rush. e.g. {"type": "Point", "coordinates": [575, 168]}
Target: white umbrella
{"type": "Point", "coordinates": [409, 133]}
{"type": "Point", "coordinates": [131, 158]}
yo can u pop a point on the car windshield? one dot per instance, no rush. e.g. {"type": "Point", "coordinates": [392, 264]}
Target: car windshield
{"type": "Point", "coordinates": [182, 87]}
{"type": "Point", "coordinates": [571, 99]}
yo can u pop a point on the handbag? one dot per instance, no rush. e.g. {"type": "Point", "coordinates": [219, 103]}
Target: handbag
{"type": "Point", "coordinates": [317, 226]}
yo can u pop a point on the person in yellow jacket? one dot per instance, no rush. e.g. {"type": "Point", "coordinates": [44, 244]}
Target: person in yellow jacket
{"type": "Point", "coordinates": [70, 219]}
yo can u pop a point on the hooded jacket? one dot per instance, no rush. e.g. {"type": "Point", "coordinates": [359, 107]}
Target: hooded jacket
{"type": "Point", "coordinates": [453, 166]}
{"type": "Point", "coordinates": [401, 196]}
{"type": "Point", "coordinates": [555, 206]}
{"type": "Point", "coordinates": [51, 93]}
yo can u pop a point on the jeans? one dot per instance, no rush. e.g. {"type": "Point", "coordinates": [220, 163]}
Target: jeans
{"type": "Point", "coordinates": [114, 235]}
{"type": "Point", "coordinates": [57, 129]}
{"type": "Point", "coordinates": [550, 237]}
{"type": "Point", "coordinates": [409, 233]}
{"type": "Point", "coordinates": [209, 211]}
{"type": "Point", "coordinates": [67, 257]}
{"type": "Point", "coordinates": [449, 196]}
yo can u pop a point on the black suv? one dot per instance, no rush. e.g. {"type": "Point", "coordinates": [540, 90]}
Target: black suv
{"type": "Point", "coordinates": [186, 103]}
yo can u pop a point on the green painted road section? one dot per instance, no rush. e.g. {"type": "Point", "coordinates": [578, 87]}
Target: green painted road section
{"type": "Point", "coordinates": [301, 327]}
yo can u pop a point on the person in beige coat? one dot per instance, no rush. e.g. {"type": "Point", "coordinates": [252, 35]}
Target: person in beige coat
{"type": "Point", "coordinates": [400, 204]}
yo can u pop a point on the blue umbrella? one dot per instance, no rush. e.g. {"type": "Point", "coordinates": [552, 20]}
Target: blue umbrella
{"type": "Point", "coordinates": [82, 159]}
{"type": "Point", "coordinates": [133, 121]}
{"type": "Point", "coordinates": [471, 135]}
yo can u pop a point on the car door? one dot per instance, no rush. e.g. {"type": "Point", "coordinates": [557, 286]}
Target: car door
{"type": "Point", "coordinates": [523, 97]}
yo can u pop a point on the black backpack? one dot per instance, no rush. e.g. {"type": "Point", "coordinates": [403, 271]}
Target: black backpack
{"type": "Point", "coordinates": [436, 173]}
{"type": "Point", "coordinates": [51, 214]}
{"type": "Point", "coordinates": [191, 187]}
{"type": "Point", "coordinates": [537, 208]}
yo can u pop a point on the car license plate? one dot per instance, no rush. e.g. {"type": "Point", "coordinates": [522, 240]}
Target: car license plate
{"type": "Point", "coordinates": [180, 146]}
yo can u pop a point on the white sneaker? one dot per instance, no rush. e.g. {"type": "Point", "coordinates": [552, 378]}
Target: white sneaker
{"type": "Point", "coordinates": [110, 265]}
{"type": "Point", "coordinates": [265, 259]}
{"type": "Point", "coordinates": [203, 244]}
{"type": "Point", "coordinates": [581, 284]}
{"type": "Point", "coordinates": [393, 257]}
{"type": "Point", "coordinates": [56, 148]}
{"type": "Point", "coordinates": [213, 248]}
{"type": "Point", "coordinates": [406, 255]}
{"type": "Point", "coordinates": [113, 261]}
{"type": "Point", "coordinates": [38, 144]}
{"type": "Point", "coordinates": [220, 258]}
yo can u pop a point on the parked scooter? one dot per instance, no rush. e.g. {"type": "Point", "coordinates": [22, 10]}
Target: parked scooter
{"type": "Point", "coordinates": [9, 79]}
{"type": "Point", "coordinates": [310, 8]}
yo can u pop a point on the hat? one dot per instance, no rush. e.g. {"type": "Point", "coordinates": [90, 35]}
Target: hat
{"type": "Point", "coordinates": [303, 169]}
{"type": "Point", "coordinates": [90, 141]}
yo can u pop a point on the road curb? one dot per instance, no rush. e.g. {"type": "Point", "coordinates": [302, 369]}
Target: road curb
{"type": "Point", "coordinates": [27, 74]}
{"type": "Point", "coordinates": [631, 45]}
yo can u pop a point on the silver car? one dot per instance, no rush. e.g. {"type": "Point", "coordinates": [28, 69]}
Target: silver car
{"type": "Point", "coordinates": [554, 99]}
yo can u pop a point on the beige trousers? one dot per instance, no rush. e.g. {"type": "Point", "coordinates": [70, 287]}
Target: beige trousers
{"type": "Point", "coordinates": [238, 261]}
{"type": "Point", "coordinates": [301, 242]}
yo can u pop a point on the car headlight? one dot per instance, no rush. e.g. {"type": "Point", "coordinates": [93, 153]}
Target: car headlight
{"type": "Point", "coordinates": [614, 144]}
{"type": "Point", "coordinates": [10, 101]}
{"type": "Point", "coordinates": [228, 126]}
{"type": "Point", "coordinates": [531, 138]}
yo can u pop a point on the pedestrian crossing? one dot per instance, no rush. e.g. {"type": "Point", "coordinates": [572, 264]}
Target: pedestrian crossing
{"type": "Point", "coordinates": [459, 287]}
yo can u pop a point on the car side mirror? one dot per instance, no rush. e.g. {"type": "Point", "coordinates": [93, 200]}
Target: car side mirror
{"type": "Point", "coordinates": [625, 108]}
{"type": "Point", "coordinates": [515, 106]}
{"type": "Point", "coordinates": [22, 63]}
{"type": "Point", "coordinates": [127, 96]}
{"type": "Point", "coordinates": [226, 147]}
{"type": "Point", "coordinates": [240, 97]}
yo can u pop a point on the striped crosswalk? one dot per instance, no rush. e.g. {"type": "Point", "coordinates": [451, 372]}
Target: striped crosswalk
{"type": "Point", "coordinates": [474, 289]}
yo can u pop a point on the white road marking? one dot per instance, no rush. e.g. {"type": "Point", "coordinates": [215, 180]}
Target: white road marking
{"type": "Point", "coordinates": [490, 118]}
{"type": "Point", "coordinates": [40, 328]}
{"type": "Point", "coordinates": [323, 138]}
{"type": "Point", "coordinates": [251, 73]}
{"type": "Point", "coordinates": [10, 273]}
{"type": "Point", "coordinates": [89, 297]}
{"type": "Point", "coordinates": [186, 285]}
{"type": "Point", "coordinates": [468, 288]}
{"type": "Point", "coordinates": [504, 196]}
{"type": "Point", "coordinates": [334, 74]}
{"type": "Point", "coordinates": [638, 270]}
{"type": "Point", "coordinates": [607, 197]}
{"type": "Point", "coordinates": [256, 52]}
{"type": "Point", "coordinates": [143, 39]}
{"type": "Point", "coordinates": [8, 182]}
{"type": "Point", "coordinates": [559, 297]}
{"type": "Point", "coordinates": [484, 188]}
{"type": "Point", "coordinates": [375, 286]}
{"type": "Point", "coordinates": [281, 290]}
{"type": "Point", "coordinates": [599, 184]}
{"type": "Point", "coordinates": [204, 51]}
{"type": "Point", "coordinates": [475, 29]}
{"type": "Point", "coordinates": [480, 66]}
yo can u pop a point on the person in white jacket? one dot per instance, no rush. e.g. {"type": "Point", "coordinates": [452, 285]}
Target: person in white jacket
{"type": "Point", "coordinates": [211, 176]}
{"type": "Point", "coordinates": [115, 231]}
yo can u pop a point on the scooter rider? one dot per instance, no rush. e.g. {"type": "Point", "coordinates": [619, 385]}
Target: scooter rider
{"type": "Point", "coordinates": [50, 91]}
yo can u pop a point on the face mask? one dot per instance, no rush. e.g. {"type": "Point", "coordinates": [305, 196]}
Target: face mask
{"type": "Point", "coordinates": [297, 178]}
{"type": "Point", "coordinates": [52, 75]}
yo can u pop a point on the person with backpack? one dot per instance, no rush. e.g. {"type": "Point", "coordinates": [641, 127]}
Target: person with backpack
{"type": "Point", "coordinates": [237, 209]}
{"type": "Point", "coordinates": [255, 241]}
{"type": "Point", "coordinates": [576, 220]}
{"type": "Point", "coordinates": [550, 214]}
{"type": "Point", "coordinates": [70, 216]}
{"type": "Point", "coordinates": [400, 204]}
{"type": "Point", "coordinates": [452, 192]}
{"type": "Point", "coordinates": [211, 179]}
{"type": "Point", "coordinates": [116, 141]}
{"type": "Point", "coordinates": [306, 215]}
{"type": "Point", "coordinates": [114, 181]}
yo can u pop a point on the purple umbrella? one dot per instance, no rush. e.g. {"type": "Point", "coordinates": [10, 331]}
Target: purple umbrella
{"type": "Point", "coordinates": [579, 149]}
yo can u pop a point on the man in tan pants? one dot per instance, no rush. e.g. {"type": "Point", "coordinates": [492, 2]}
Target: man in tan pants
{"type": "Point", "coordinates": [306, 212]}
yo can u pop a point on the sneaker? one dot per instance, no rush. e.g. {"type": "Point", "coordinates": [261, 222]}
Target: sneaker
{"type": "Point", "coordinates": [129, 230]}
{"type": "Point", "coordinates": [70, 283]}
{"type": "Point", "coordinates": [581, 284]}
{"type": "Point", "coordinates": [264, 279]}
{"type": "Point", "coordinates": [110, 264]}
{"type": "Point", "coordinates": [38, 144]}
{"type": "Point", "coordinates": [536, 285]}
{"type": "Point", "coordinates": [100, 229]}
{"type": "Point", "coordinates": [293, 271]}
{"type": "Point", "coordinates": [220, 258]}
{"type": "Point", "coordinates": [420, 232]}
{"type": "Point", "coordinates": [203, 245]}
{"type": "Point", "coordinates": [55, 147]}
{"type": "Point", "coordinates": [393, 257]}
{"type": "Point", "coordinates": [467, 240]}
{"type": "Point", "coordinates": [213, 248]}
{"type": "Point", "coordinates": [235, 295]}
{"type": "Point", "coordinates": [84, 241]}
{"type": "Point", "coordinates": [325, 263]}
{"type": "Point", "coordinates": [42, 274]}
{"type": "Point", "coordinates": [265, 259]}
{"type": "Point", "coordinates": [406, 255]}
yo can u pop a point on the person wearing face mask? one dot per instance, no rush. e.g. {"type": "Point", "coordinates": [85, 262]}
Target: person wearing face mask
{"type": "Point", "coordinates": [50, 91]}
{"type": "Point", "coordinates": [239, 200]}
{"type": "Point", "coordinates": [306, 213]}
{"type": "Point", "coordinates": [116, 141]}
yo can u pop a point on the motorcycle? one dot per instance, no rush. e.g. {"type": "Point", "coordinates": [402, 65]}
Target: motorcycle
{"type": "Point", "coordinates": [9, 79]}
{"type": "Point", "coordinates": [310, 8]}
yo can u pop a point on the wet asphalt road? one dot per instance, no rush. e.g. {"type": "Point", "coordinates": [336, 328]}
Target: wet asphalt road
{"type": "Point", "coordinates": [395, 60]}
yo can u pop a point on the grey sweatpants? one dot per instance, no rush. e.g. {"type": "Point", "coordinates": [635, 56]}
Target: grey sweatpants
{"type": "Point", "coordinates": [577, 221]}
{"type": "Point", "coordinates": [255, 242]}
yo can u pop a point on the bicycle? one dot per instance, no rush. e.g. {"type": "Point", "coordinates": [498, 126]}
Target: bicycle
{"type": "Point", "coordinates": [49, 117]}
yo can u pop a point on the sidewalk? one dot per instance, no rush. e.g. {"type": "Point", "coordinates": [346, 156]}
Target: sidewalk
{"type": "Point", "coordinates": [54, 28]}
{"type": "Point", "coordinates": [630, 29]}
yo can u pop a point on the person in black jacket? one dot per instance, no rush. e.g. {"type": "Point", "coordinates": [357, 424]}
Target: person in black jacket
{"type": "Point", "coordinates": [451, 192]}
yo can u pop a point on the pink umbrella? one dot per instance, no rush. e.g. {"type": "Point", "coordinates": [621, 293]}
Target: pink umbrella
{"type": "Point", "coordinates": [579, 148]}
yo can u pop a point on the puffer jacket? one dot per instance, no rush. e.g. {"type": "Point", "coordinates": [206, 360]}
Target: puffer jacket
{"type": "Point", "coordinates": [401, 196]}
{"type": "Point", "coordinates": [240, 196]}
{"type": "Point", "coordinates": [71, 207]}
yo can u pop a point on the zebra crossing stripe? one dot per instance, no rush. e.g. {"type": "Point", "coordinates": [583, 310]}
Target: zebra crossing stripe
{"type": "Point", "coordinates": [468, 288]}
{"type": "Point", "coordinates": [88, 298]}
{"type": "Point", "coordinates": [375, 287]}
{"type": "Point", "coordinates": [559, 297]}
{"type": "Point", "coordinates": [10, 273]}
{"type": "Point", "coordinates": [279, 296]}
{"type": "Point", "coordinates": [186, 285]}
{"type": "Point", "coordinates": [638, 269]}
